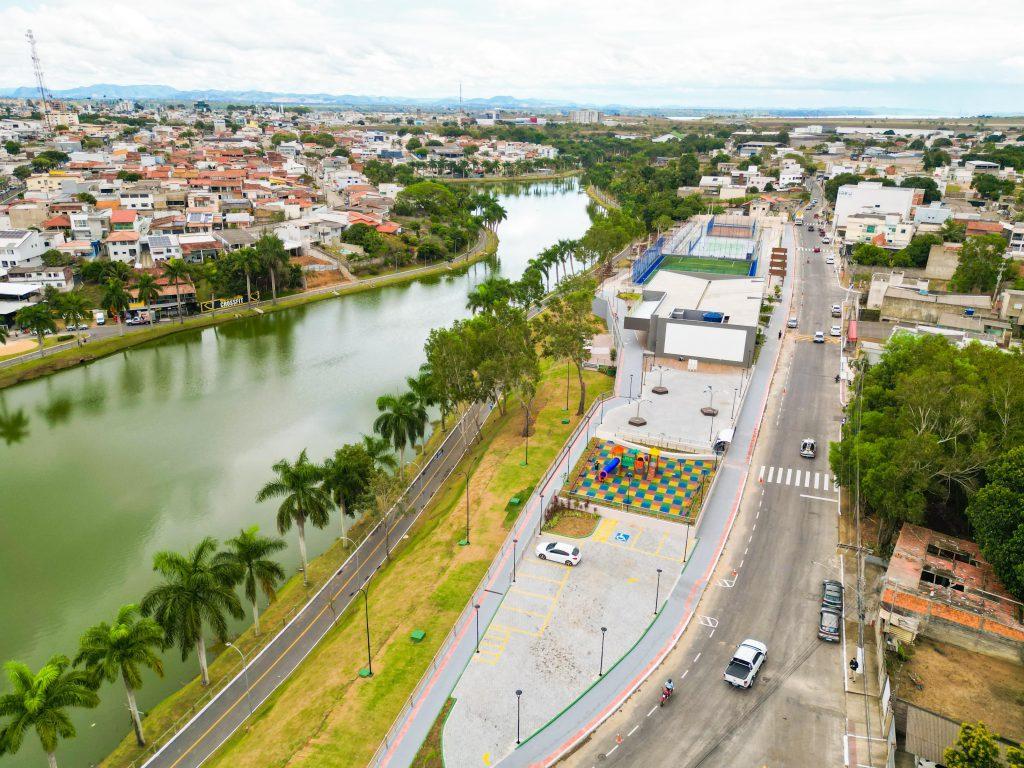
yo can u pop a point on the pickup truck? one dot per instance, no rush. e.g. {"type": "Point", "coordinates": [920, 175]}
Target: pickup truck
{"type": "Point", "coordinates": [746, 661]}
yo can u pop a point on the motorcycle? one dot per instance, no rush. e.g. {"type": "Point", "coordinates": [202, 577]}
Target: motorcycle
{"type": "Point", "coordinates": [666, 694]}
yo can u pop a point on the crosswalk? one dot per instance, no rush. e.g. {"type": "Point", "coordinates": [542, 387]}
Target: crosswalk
{"type": "Point", "coordinates": [798, 478]}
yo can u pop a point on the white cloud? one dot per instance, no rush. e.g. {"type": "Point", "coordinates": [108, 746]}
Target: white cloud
{"type": "Point", "coordinates": [933, 53]}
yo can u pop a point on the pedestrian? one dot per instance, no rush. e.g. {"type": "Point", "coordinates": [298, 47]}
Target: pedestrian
{"type": "Point", "coordinates": [780, 333]}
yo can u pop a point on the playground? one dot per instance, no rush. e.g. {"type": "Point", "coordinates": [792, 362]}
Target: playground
{"type": "Point", "coordinates": [644, 480]}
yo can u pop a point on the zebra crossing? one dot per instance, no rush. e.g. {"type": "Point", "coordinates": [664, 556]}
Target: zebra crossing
{"type": "Point", "coordinates": [798, 478]}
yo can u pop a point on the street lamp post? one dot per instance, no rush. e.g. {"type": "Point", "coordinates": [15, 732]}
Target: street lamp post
{"type": "Point", "coordinates": [245, 676]}
{"type": "Point", "coordinates": [514, 542]}
{"type": "Point", "coordinates": [519, 698]}
{"type": "Point", "coordinates": [600, 668]}
{"type": "Point", "coordinates": [657, 592]}
{"type": "Point", "coordinates": [366, 607]}
{"type": "Point", "coordinates": [477, 607]}
{"type": "Point", "coordinates": [735, 396]}
{"type": "Point", "coordinates": [465, 541]}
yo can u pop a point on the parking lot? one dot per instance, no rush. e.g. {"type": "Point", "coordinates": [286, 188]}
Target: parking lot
{"type": "Point", "coordinates": [545, 639]}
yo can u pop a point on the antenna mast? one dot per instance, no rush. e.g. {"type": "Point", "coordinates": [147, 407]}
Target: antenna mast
{"type": "Point", "coordinates": [38, 68]}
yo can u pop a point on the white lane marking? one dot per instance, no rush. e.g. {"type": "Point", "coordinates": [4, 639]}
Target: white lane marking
{"type": "Point", "coordinates": [771, 474]}
{"type": "Point", "coordinates": [760, 475]}
{"type": "Point", "coordinates": [712, 634]}
{"type": "Point", "coordinates": [818, 498]}
{"type": "Point", "coordinates": [745, 550]}
{"type": "Point", "coordinates": [816, 478]}
{"type": "Point", "coordinates": [789, 474]}
{"type": "Point", "coordinates": [807, 480]}
{"type": "Point", "coordinates": [635, 729]}
{"type": "Point", "coordinates": [797, 478]}
{"type": "Point", "coordinates": [742, 562]}
{"type": "Point", "coordinates": [653, 710]}
{"type": "Point", "coordinates": [613, 749]}
{"type": "Point", "coordinates": [824, 481]}
{"type": "Point", "coordinates": [754, 528]}
{"type": "Point", "coordinates": [697, 657]}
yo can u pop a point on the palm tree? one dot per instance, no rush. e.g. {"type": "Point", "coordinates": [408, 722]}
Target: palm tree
{"type": "Point", "coordinates": [251, 553]}
{"type": "Point", "coordinates": [4, 333]}
{"type": "Point", "coordinates": [36, 318]}
{"type": "Point", "coordinates": [304, 498]}
{"type": "Point", "coordinates": [380, 452]}
{"type": "Point", "coordinates": [177, 271]}
{"type": "Point", "coordinates": [346, 476]}
{"type": "Point", "coordinates": [248, 260]}
{"type": "Point", "coordinates": [488, 294]}
{"type": "Point", "coordinates": [109, 652]}
{"type": "Point", "coordinates": [272, 256]}
{"type": "Point", "coordinates": [38, 702]}
{"type": "Point", "coordinates": [74, 308]}
{"type": "Point", "coordinates": [147, 290]}
{"type": "Point", "coordinates": [197, 591]}
{"type": "Point", "coordinates": [402, 421]}
{"type": "Point", "coordinates": [116, 300]}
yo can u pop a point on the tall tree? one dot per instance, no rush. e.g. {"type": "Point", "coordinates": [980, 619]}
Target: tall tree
{"type": "Point", "coordinates": [983, 264]}
{"type": "Point", "coordinates": [197, 592]}
{"type": "Point", "coordinates": [147, 290]}
{"type": "Point", "coordinates": [249, 261]}
{"type": "Point", "coordinates": [74, 308]}
{"type": "Point", "coordinates": [116, 300]}
{"type": "Point", "coordinates": [303, 499]}
{"type": "Point", "coordinates": [346, 477]}
{"type": "Point", "coordinates": [37, 318]}
{"type": "Point", "coordinates": [567, 327]}
{"type": "Point", "coordinates": [272, 257]}
{"type": "Point", "coordinates": [251, 554]}
{"type": "Point", "coordinates": [178, 272]}
{"type": "Point", "coordinates": [380, 452]}
{"type": "Point", "coordinates": [975, 747]}
{"type": "Point", "coordinates": [39, 702]}
{"type": "Point", "coordinates": [402, 421]}
{"type": "Point", "coordinates": [120, 650]}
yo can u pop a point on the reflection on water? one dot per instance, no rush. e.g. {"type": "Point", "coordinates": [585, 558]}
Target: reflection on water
{"type": "Point", "coordinates": [154, 448]}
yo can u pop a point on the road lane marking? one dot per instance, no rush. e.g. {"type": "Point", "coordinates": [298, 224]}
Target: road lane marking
{"type": "Point", "coordinates": [789, 474]}
{"type": "Point", "coordinates": [807, 480]}
{"type": "Point", "coordinates": [771, 474]}
{"type": "Point", "coordinates": [711, 634]}
{"type": "Point", "coordinates": [683, 677]}
{"type": "Point", "coordinates": [653, 710]}
{"type": "Point", "coordinates": [697, 657]}
{"type": "Point", "coordinates": [760, 475]}
{"type": "Point", "coordinates": [816, 478]}
{"type": "Point", "coordinates": [709, 621]}
{"type": "Point", "coordinates": [745, 550]}
{"type": "Point", "coordinates": [635, 729]}
{"type": "Point", "coordinates": [797, 478]}
{"type": "Point", "coordinates": [818, 498]}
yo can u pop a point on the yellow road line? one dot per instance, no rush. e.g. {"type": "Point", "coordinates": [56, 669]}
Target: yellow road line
{"type": "Point", "coordinates": [538, 595]}
{"type": "Point", "coordinates": [526, 612]}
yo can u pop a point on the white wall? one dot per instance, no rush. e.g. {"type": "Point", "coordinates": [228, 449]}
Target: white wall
{"type": "Point", "coordinates": [709, 341]}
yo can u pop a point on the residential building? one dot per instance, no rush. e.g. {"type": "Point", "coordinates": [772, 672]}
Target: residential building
{"type": "Point", "coordinates": [61, 278]}
{"type": "Point", "coordinates": [935, 212]}
{"type": "Point", "coordinates": [20, 248]}
{"type": "Point", "coordinates": [871, 196]}
{"type": "Point", "coordinates": [584, 116]}
{"type": "Point", "coordinates": [124, 246]}
{"type": "Point", "coordinates": [887, 231]}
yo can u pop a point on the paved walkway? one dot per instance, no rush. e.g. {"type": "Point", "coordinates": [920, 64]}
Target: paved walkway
{"type": "Point", "coordinates": [545, 745]}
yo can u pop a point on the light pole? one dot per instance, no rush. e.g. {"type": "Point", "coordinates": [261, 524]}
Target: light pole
{"type": "Point", "coordinates": [465, 541]}
{"type": "Point", "coordinates": [514, 542]}
{"type": "Point", "coordinates": [600, 668]}
{"type": "Point", "coordinates": [476, 606]}
{"type": "Point", "coordinates": [657, 592]}
{"type": "Point", "coordinates": [631, 386]}
{"type": "Point", "coordinates": [735, 396]}
{"type": "Point", "coordinates": [355, 550]}
{"type": "Point", "coordinates": [245, 676]}
{"type": "Point", "coordinates": [519, 698]}
{"type": "Point", "coordinates": [366, 607]}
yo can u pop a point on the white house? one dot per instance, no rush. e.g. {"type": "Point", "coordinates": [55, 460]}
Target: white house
{"type": "Point", "coordinates": [885, 230]}
{"type": "Point", "coordinates": [124, 246]}
{"type": "Point", "coordinates": [163, 247]}
{"type": "Point", "coordinates": [20, 248]}
{"type": "Point", "coordinates": [61, 278]}
{"type": "Point", "coordinates": [872, 197]}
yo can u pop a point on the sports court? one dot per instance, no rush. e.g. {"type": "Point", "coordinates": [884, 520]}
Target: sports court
{"type": "Point", "coordinates": [642, 480]}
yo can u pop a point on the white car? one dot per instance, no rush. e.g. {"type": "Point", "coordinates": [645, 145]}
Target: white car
{"type": "Point", "coordinates": [835, 330]}
{"type": "Point", "coordinates": [830, 260]}
{"type": "Point", "coordinates": [808, 448]}
{"type": "Point", "coordinates": [559, 551]}
{"type": "Point", "coordinates": [819, 337]}
{"type": "Point", "coordinates": [746, 662]}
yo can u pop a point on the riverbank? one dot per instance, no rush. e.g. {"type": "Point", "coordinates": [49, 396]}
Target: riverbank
{"type": "Point", "coordinates": [38, 367]}
{"type": "Point", "coordinates": [526, 177]}
{"type": "Point", "coordinates": [601, 198]}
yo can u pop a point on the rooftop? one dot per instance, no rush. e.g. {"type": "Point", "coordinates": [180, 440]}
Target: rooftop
{"type": "Point", "coordinates": [739, 299]}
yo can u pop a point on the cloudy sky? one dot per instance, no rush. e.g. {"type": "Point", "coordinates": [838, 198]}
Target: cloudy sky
{"type": "Point", "coordinates": [943, 55]}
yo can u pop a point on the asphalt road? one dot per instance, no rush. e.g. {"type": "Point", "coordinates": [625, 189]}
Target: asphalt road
{"type": "Point", "coordinates": [766, 587]}
{"type": "Point", "coordinates": [213, 725]}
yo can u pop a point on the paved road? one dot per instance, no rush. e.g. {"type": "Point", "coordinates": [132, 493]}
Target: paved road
{"type": "Point", "coordinates": [214, 724]}
{"type": "Point", "coordinates": [782, 546]}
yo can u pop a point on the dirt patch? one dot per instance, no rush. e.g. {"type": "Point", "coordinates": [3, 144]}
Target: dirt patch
{"type": "Point", "coordinates": [963, 685]}
{"type": "Point", "coordinates": [574, 523]}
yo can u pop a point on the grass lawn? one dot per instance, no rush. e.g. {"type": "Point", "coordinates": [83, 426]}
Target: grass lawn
{"type": "Point", "coordinates": [575, 523]}
{"type": "Point", "coordinates": [325, 715]}
{"type": "Point", "coordinates": [697, 264]}
{"type": "Point", "coordinates": [48, 342]}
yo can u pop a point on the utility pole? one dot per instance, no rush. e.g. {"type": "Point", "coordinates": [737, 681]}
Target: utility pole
{"type": "Point", "coordinates": [37, 67]}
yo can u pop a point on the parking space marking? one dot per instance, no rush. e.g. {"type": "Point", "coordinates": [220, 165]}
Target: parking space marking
{"type": "Point", "coordinates": [605, 529]}
{"type": "Point", "coordinates": [535, 577]}
{"type": "Point", "coordinates": [525, 612]}
{"type": "Point", "coordinates": [526, 592]}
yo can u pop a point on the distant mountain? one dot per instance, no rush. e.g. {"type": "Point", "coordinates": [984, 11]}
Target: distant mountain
{"type": "Point", "coordinates": [105, 91]}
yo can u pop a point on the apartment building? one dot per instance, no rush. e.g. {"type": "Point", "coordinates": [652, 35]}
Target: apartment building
{"type": "Point", "coordinates": [20, 248]}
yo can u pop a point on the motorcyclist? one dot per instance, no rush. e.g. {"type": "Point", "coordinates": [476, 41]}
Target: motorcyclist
{"type": "Point", "coordinates": [669, 686]}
